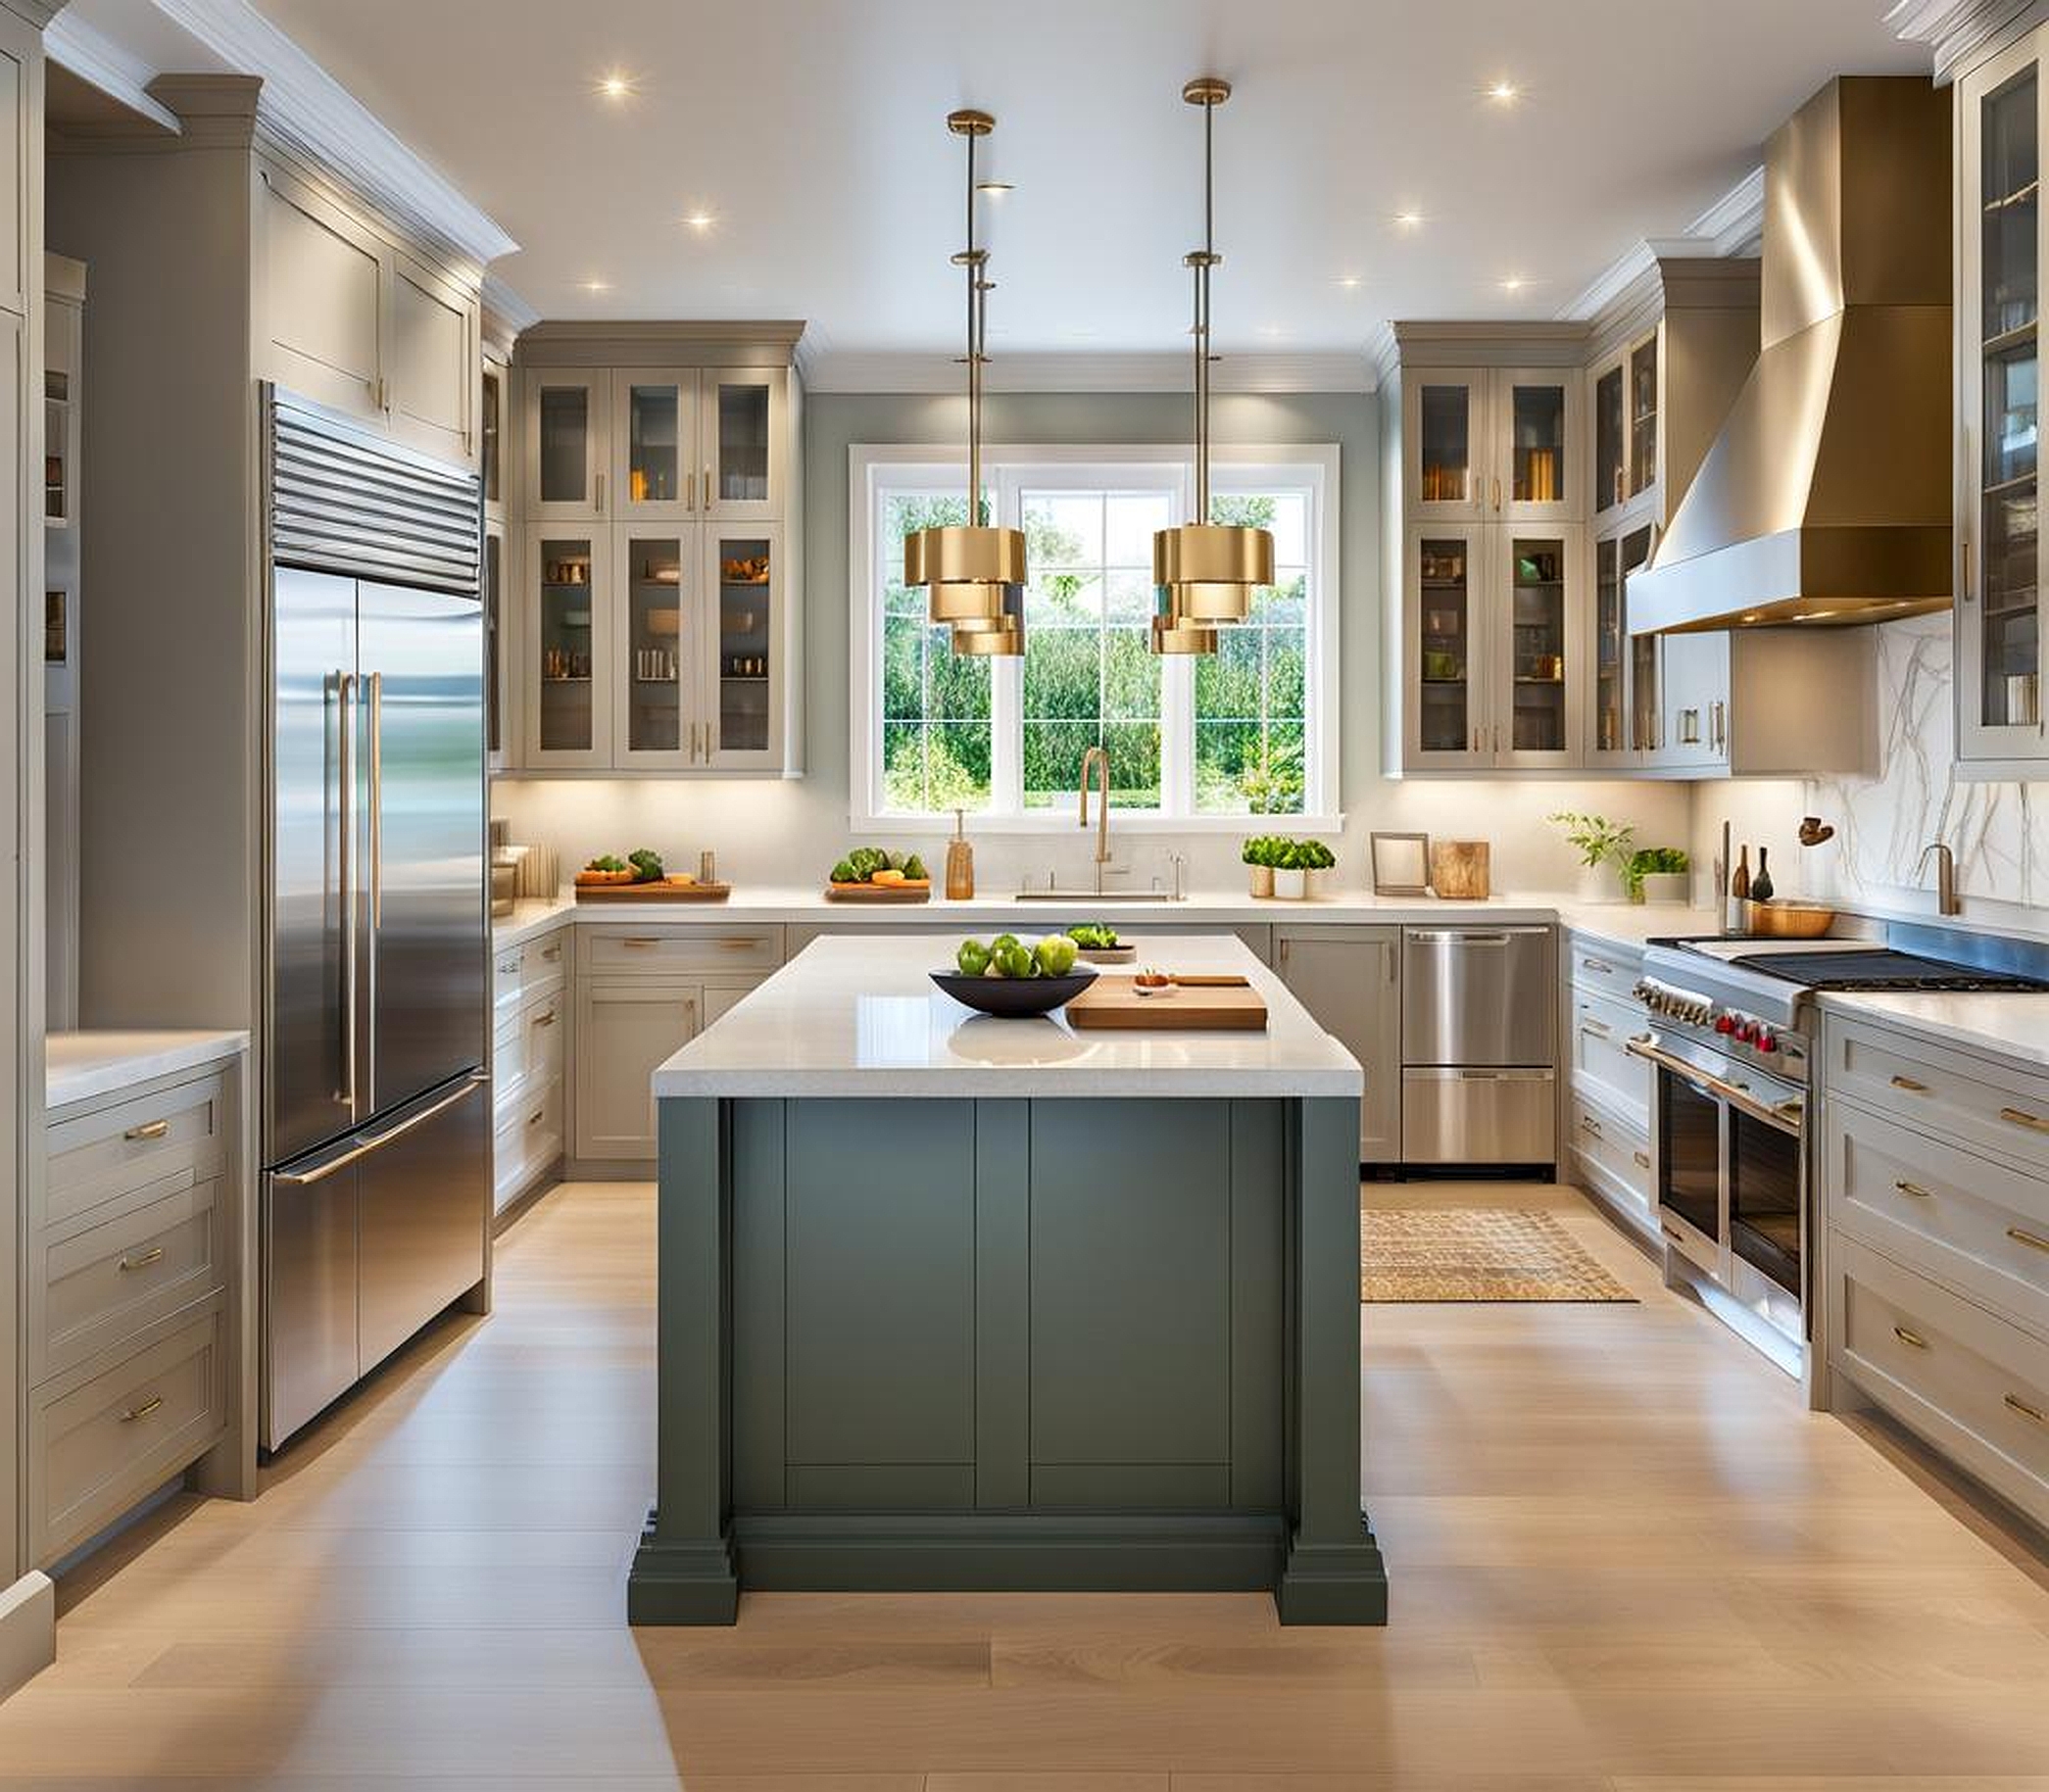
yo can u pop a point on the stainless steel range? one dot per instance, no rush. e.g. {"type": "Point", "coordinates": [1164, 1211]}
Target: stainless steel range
{"type": "Point", "coordinates": [1731, 1029]}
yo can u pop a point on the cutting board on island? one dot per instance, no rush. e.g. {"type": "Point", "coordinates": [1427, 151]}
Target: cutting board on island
{"type": "Point", "coordinates": [1197, 1005]}
{"type": "Point", "coordinates": [659, 891]}
{"type": "Point", "coordinates": [879, 892]}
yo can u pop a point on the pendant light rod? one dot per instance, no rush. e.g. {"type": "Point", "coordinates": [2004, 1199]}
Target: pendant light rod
{"type": "Point", "coordinates": [1207, 92]}
{"type": "Point", "coordinates": [974, 125]}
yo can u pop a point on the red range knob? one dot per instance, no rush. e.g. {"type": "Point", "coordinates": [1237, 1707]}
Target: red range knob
{"type": "Point", "coordinates": [1768, 1043]}
{"type": "Point", "coordinates": [1747, 1032]}
{"type": "Point", "coordinates": [1724, 1025]}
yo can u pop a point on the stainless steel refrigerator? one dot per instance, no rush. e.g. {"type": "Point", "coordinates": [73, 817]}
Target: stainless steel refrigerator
{"type": "Point", "coordinates": [377, 1140]}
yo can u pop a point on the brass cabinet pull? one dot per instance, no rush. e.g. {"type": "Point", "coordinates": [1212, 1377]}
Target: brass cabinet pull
{"type": "Point", "coordinates": [539, 1114]}
{"type": "Point", "coordinates": [155, 1400]}
{"type": "Point", "coordinates": [2028, 1409]}
{"type": "Point", "coordinates": [1914, 1189]}
{"type": "Point", "coordinates": [155, 1254]}
{"type": "Point", "coordinates": [1964, 585]}
{"type": "Point", "coordinates": [2033, 1241]}
{"type": "Point", "coordinates": [510, 967]}
{"type": "Point", "coordinates": [738, 946]}
{"type": "Point", "coordinates": [2015, 1116]}
{"type": "Point", "coordinates": [545, 1020]}
{"type": "Point", "coordinates": [1588, 1124]}
{"type": "Point", "coordinates": [158, 1128]}
{"type": "Point", "coordinates": [598, 493]}
{"type": "Point", "coordinates": [1598, 1028]}
{"type": "Point", "coordinates": [552, 953]}
{"type": "Point", "coordinates": [1642, 1159]}
{"type": "Point", "coordinates": [708, 490]}
{"type": "Point", "coordinates": [1910, 1337]}
{"type": "Point", "coordinates": [1597, 965]}
{"type": "Point", "coordinates": [638, 943]}
{"type": "Point", "coordinates": [1910, 1085]}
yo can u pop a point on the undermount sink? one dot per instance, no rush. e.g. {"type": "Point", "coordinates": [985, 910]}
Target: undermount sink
{"type": "Point", "coordinates": [1095, 895]}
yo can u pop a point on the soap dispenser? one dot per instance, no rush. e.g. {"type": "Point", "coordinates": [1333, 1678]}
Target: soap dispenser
{"type": "Point", "coordinates": [961, 862]}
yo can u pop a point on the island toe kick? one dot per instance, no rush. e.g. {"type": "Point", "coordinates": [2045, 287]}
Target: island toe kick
{"type": "Point", "coordinates": [989, 1343]}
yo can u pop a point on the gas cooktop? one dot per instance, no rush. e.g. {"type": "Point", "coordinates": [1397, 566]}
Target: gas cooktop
{"type": "Point", "coordinates": [1853, 965]}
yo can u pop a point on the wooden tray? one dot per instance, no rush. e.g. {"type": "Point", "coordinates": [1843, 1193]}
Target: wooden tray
{"type": "Point", "coordinates": [652, 893]}
{"type": "Point", "coordinates": [874, 893]}
{"type": "Point", "coordinates": [1107, 954]}
{"type": "Point", "coordinates": [1220, 1006]}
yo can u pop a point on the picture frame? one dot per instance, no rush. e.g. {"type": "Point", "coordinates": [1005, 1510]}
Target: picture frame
{"type": "Point", "coordinates": [1400, 865]}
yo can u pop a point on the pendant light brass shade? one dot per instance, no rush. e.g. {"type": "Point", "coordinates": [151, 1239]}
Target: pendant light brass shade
{"type": "Point", "coordinates": [973, 575]}
{"type": "Point", "coordinates": [1206, 572]}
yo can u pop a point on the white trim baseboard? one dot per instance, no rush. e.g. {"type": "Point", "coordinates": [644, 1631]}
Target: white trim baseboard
{"type": "Point", "coordinates": [27, 1630]}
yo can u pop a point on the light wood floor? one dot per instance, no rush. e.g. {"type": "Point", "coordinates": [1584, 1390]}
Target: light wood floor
{"type": "Point", "coordinates": [1622, 1557]}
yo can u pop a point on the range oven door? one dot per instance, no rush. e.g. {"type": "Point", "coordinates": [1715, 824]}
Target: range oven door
{"type": "Point", "coordinates": [1686, 1135]}
{"type": "Point", "coordinates": [1767, 1207]}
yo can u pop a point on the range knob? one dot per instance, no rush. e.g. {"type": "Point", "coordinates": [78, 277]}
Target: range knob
{"type": "Point", "coordinates": [1767, 1039]}
{"type": "Point", "coordinates": [1724, 1024]}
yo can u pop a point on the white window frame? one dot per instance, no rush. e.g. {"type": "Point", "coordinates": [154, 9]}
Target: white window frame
{"type": "Point", "coordinates": [938, 469]}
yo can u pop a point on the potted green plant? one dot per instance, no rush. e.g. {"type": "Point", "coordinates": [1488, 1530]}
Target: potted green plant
{"type": "Point", "coordinates": [1604, 847]}
{"type": "Point", "coordinates": [1658, 874]}
{"type": "Point", "coordinates": [1260, 854]}
{"type": "Point", "coordinates": [1302, 863]}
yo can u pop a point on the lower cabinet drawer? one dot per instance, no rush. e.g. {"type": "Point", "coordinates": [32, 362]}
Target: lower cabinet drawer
{"type": "Point", "coordinates": [1998, 1108]}
{"type": "Point", "coordinates": [1973, 1385]}
{"type": "Point", "coordinates": [1602, 1029]}
{"type": "Point", "coordinates": [528, 1141]}
{"type": "Point", "coordinates": [102, 1438]}
{"type": "Point", "coordinates": [1977, 1225]}
{"type": "Point", "coordinates": [102, 1156]}
{"type": "Point", "coordinates": [1479, 1117]}
{"type": "Point", "coordinates": [1613, 1155]}
{"type": "Point", "coordinates": [715, 950]}
{"type": "Point", "coordinates": [95, 1289]}
{"type": "Point", "coordinates": [1601, 966]}
{"type": "Point", "coordinates": [545, 1024]}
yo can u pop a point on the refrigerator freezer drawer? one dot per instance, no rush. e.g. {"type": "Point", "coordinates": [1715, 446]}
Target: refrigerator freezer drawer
{"type": "Point", "coordinates": [1478, 996]}
{"type": "Point", "coordinates": [1478, 1116]}
{"type": "Point", "coordinates": [308, 1356]}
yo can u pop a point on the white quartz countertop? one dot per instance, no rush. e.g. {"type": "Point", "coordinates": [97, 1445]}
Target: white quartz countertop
{"type": "Point", "coordinates": [1621, 922]}
{"type": "Point", "coordinates": [862, 1017]}
{"type": "Point", "coordinates": [2012, 1025]}
{"type": "Point", "coordinates": [84, 1066]}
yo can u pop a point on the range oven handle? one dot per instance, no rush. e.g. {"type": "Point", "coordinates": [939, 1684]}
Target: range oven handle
{"type": "Point", "coordinates": [1786, 1116]}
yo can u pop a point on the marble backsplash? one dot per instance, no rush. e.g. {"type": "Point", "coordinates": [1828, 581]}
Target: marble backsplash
{"type": "Point", "coordinates": [1999, 832]}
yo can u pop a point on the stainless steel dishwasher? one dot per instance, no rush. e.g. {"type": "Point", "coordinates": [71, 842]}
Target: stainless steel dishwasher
{"type": "Point", "coordinates": [1479, 1046]}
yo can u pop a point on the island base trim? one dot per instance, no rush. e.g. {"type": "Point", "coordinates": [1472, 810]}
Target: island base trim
{"type": "Point", "coordinates": [1333, 1583]}
{"type": "Point", "coordinates": [681, 1582]}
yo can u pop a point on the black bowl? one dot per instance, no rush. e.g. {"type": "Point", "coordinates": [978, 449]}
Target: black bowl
{"type": "Point", "coordinates": [1013, 995]}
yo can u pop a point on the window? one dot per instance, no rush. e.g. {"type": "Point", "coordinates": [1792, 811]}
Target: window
{"type": "Point", "coordinates": [1190, 742]}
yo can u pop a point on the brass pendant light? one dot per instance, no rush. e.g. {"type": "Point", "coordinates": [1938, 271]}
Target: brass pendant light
{"type": "Point", "coordinates": [973, 575]}
{"type": "Point", "coordinates": [1204, 573]}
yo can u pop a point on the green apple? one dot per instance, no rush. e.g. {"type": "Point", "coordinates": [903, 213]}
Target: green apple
{"type": "Point", "coordinates": [1016, 961]}
{"type": "Point", "coordinates": [1055, 955]}
{"type": "Point", "coordinates": [973, 958]}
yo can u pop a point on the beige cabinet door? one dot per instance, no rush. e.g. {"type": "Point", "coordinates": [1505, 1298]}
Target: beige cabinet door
{"type": "Point", "coordinates": [321, 315]}
{"type": "Point", "coordinates": [655, 476]}
{"type": "Point", "coordinates": [624, 1030]}
{"type": "Point", "coordinates": [564, 420]}
{"type": "Point", "coordinates": [431, 385]}
{"type": "Point", "coordinates": [743, 432]}
{"type": "Point", "coordinates": [1350, 979]}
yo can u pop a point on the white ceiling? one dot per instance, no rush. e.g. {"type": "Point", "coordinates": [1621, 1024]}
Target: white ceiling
{"type": "Point", "coordinates": [813, 131]}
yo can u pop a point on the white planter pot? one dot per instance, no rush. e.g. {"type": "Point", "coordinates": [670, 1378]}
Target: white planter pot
{"type": "Point", "coordinates": [1668, 886]}
{"type": "Point", "coordinates": [1292, 886]}
{"type": "Point", "coordinates": [1599, 883]}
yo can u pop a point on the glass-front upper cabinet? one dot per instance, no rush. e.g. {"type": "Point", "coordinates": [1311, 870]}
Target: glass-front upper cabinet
{"type": "Point", "coordinates": [743, 433]}
{"type": "Point", "coordinates": [1443, 418]}
{"type": "Point", "coordinates": [498, 657]}
{"type": "Point", "coordinates": [568, 702]}
{"type": "Point", "coordinates": [654, 434]}
{"type": "Point", "coordinates": [491, 419]}
{"type": "Point", "coordinates": [1999, 618]}
{"type": "Point", "coordinates": [1538, 422]}
{"type": "Point", "coordinates": [1646, 694]}
{"type": "Point", "coordinates": [1644, 392]}
{"type": "Point", "coordinates": [1536, 655]}
{"type": "Point", "coordinates": [658, 720]}
{"type": "Point", "coordinates": [1626, 397]}
{"type": "Point", "coordinates": [1444, 652]}
{"type": "Point", "coordinates": [565, 429]}
{"type": "Point", "coordinates": [1609, 730]}
{"type": "Point", "coordinates": [744, 575]}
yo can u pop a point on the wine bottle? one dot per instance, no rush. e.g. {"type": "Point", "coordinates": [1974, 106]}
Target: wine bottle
{"type": "Point", "coordinates": [1761, 885]}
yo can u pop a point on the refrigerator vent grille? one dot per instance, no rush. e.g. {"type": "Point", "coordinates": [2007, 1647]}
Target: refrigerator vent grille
{"type": "Point", "coordinates": [345, 500]}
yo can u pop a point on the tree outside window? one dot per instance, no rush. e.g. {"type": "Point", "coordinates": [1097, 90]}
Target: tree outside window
{"type": "Point", "coordinates": [936, 728]}
{"type": "Point", "coordinates": [1251, 699]}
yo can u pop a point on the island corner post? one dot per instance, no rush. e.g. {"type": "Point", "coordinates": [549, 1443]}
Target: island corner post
{"type": "Point", "coordinates": [966, 1342]}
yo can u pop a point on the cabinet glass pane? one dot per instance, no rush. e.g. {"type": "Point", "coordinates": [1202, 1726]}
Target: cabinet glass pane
{"type": "Point", "coordinates": [566, 440]}
{"type": "Point", "coordinates": [1609, 642]}
{"type": "Point", "coordinates": [490, 424]}
{"type": "Point", "coordinates": [1538, 419]}
{"type": "Point", "coordinates": [494, 641]}
{"type": "Point", "coordinates": [744, 589]}
{"type": "Point", "coordinates": [1643, 417]}
{"type": "Point", "coordinates": [1537, 645]}
{"type": "Point", "coordinates": [654, 464]}
{"type": "Point", "coordinates": [2010, 608]}
{"type": "Point", "coordinates": [1445, 688]}
{"type": "Point", "coordinates": [1645, 667]}
{"type": "Point", "coordinates": [1607, 440]}
{"type": "Point", "coordinates": [654, 644]}
{"type": "Point", "coordinates": [1447, 454]}
{"type": "Point", "coordinates": [743, 443]}
{"type": "Point", "coordinates": [564, 671]}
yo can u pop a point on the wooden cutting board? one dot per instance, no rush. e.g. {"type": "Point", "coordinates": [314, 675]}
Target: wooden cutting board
{"type": "Point", "coordinates": [652, 893]}
{"type": "Point", "coordinates": [875, 892]}
{"type": "Point", "coordinates": [1111, 1003]}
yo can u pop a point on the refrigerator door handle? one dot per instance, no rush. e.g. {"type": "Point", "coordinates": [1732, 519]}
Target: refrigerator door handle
{"type": "Point", "coordinates": [365, 1143]}
{"type": "Point", "coordinates": [375, 681]}
{"type": "Point", "coordinates": [346, 683]}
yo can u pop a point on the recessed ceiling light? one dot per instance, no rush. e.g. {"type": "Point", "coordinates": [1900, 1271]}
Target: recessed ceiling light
{"type": "Point", "coordinates": [614, 86]}
{"type": "Point", "coordinates": [995, 189]}
{"type": "Point", "coordinates": [596, 285]}
{"type": "Point", "coordinates": [700, 221]}
{"type": "Point", "coordinates": [1408, 221]}
{"type": "Point", "coordinates": [1503, 92]}
{"type": "Point", "coordinates": [1514, 283]}
{"type": "Point", "coordinates": [1349, 281]}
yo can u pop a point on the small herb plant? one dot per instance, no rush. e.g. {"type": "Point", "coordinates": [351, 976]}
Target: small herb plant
{"type": "Point", "coordinates": [1598, 840]}
{"type": "Point", "coordinates": [1264, 850]}
{"type": "Point", "coordinates": [1280, 853]}
{"type": "Point", "coordinates": [1652, 861]}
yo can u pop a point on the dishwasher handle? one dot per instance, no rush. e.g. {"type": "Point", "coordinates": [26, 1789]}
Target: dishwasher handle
{"type": "Point", "coordinates": [1464, 936]}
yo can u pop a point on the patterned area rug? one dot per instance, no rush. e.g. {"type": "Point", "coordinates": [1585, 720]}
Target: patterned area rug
{"type": "Point", "coordinates": [1481, 1253]}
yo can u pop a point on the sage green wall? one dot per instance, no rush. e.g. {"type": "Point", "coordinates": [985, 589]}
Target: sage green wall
{"type": "Point", "coordinates": [787, 833]}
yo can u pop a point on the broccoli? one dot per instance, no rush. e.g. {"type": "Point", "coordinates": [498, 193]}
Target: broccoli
{"type": "Point", "coordinates": [914, 869]}
{"type": "Point", "coordinates": [646, 863]}
{"type": "Point", "coordinates": [843, 873]}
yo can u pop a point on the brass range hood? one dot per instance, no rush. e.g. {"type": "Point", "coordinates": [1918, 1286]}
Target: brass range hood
{"type": "Point", "coordinates": [1828, 496]}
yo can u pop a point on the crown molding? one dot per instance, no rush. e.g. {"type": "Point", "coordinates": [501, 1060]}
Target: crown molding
{"type": "Point", "coordinates": [852, 372]}
{"type": "Point", "coordinates": [1729, 227]}
{"type": "Point", "coordinates": [508, 306]}
{"type": "Point", "coordinates": [37, 13]}
{"type": "Point", "coordinates": [95, 58]}
{"type": "Point", "coordinates": [1959, 31]}
{"type": "Point", "coordinates": [308, 109]}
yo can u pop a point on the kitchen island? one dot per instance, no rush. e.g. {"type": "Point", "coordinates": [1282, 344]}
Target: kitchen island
{"type": "Point", "coordinates": [958, 1303]}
